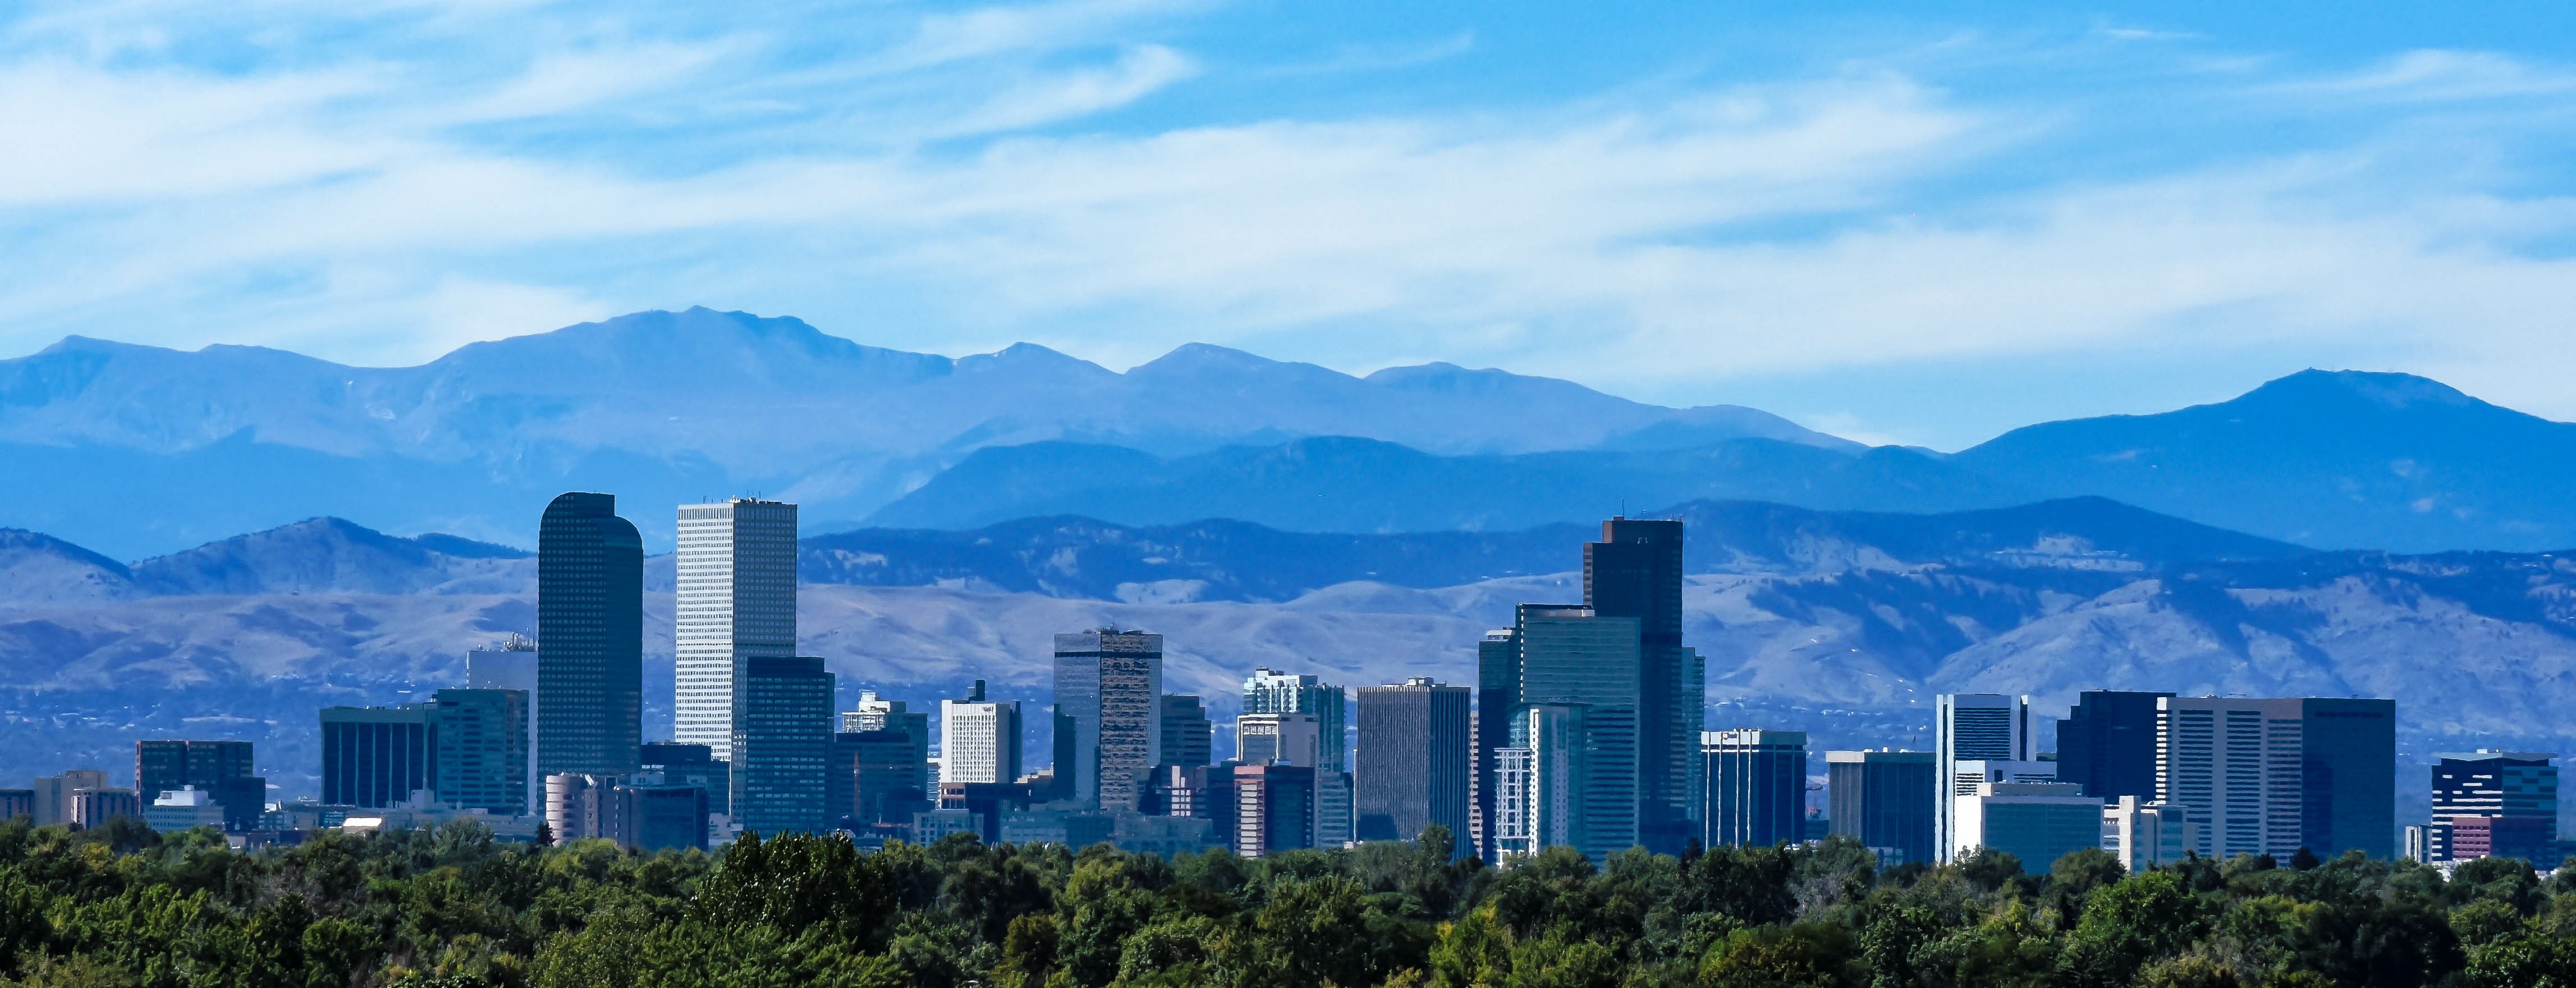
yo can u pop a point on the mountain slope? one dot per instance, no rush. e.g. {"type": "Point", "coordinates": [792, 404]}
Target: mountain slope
{"type": "Point", "coordinates": [1343, 484]}
{"type": "Point", "coordinates": [2337, 459]}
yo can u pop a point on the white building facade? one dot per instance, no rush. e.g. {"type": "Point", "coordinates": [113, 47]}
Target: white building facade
{"type": "Point", "coordinates": [736, 601]}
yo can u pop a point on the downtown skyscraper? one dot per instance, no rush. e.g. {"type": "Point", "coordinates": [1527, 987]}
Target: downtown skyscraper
{"type": "Point", "coordinates": [1635, 571]}
{"type": "Point", "coordinates": [736, 602]}
{"type": "Point", "coordinates": [590, 638]}
{"type": "Point", "coordinates": [1108, 698]}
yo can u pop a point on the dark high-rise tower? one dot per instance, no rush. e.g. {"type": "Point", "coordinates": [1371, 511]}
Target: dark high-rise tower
{"type": "Point", "coordinates": [590, 638]}
{"type": "Point", "coordinates": [1498, 694]}
{"type": "Point", "coordinates": [1635, 571]}
{"type": "Point", "coordinates": [2107, 744]}
{"type": "Point", "coordinates": [1412, 763]}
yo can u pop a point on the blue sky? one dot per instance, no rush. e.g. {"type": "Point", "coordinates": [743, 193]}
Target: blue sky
{"type": "Point", "coordinates": [1922, 222]}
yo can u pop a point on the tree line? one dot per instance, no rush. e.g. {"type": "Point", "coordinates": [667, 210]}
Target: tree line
{"type": "Point", "coordinates": [119, 905]}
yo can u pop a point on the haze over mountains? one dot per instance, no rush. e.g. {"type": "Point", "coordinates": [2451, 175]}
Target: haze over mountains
{"type": "Point", "coordinates": [136, 451]}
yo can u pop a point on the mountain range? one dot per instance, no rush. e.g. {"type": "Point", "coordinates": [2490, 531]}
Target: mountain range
{"type": "Point", "coordinates": [138, 451]}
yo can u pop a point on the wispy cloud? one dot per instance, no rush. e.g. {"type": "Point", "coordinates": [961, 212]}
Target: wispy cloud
{"type": "Point", "coordinates": [1090, 174]}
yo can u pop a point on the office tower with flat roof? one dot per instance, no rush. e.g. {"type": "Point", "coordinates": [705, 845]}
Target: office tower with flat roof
{"type": "Point", "coordinates": [735, 600]}
{"type": "Point", "coordinates": [1108, 691]}
{"type": "Point", "coordinates": [1411, 768]}
{"type": "Point", "coordinates": [1572, 657]}
{"type": "Point", "coordinates": [2144, 834]}
{"type": "Point", "coordinates": [2107, 744]}
{"type": "Point", "coordinates": [220, 769]}
{"type": "Point", "coordinates": [374, 757]}
{"type": "Point", "coordinates": [687, 764]}
{"type": "Point", "coordinates": [1542, 778]}
{"type": "Point", "coordinates": [877, 777]}
{"type": "Point", "coordinates": [2348, 765]}
{"type": "Point", "coordinates": [2504, 803]}
{"type": "Point", "coordinates": [1274, 809]}
{"type": "Point", "coordinates": [2036, 822]}
{"type": "Point", "coordinates": [2270, 776]}
{"type": "Point", "coordinates": [875, 713]}
{"type": "Point", "coordinates": [482, 749]}
{"type": "Point", "coordinates": [1284, 738]}
{"type": "Point", "coordinates": [1186, 731]}
{"type": "Point", "coordinates": [782, 742]}
{"type": "Point", "coordinates": [513, 666]}
{"type": "Point", "coordinates": [1973, 727]}
{"type": "Point", "coordinates": [979, 739]}
{"type": "Point", "coordinates": [1757, 787]}
{"type": "Point", "coordinates": [1269, 691]}
{"type": "Point", "coordinates": [1498, 687]}
{"type": "Point", "coordinates": [53, 794]}
{"type": "Point", "coordinates": [1884, 800]}
{"type": "Point", "coordinates": [2233, 767]}
{"type": "Point", "coordinates": [590, 637]}
{"type": "Point", "coordinates": [1635, 571]}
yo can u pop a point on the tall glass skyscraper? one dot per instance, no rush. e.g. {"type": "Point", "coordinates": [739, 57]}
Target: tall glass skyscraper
{"type": "Point", "coordinates": [1635, 571]}
{"type": "Point", "coordinates": [782, 745]}
{"type": "Point", "coordinates": [1574, 658]}
{"type": "Point", "coordinates": [1757, 787]}
{"type": "Point", "coordinates": [590, 638]}
{"type": "Point", "coordinates": [736, 601]}
{"type": "Point", "coordinates": [1108, 689]}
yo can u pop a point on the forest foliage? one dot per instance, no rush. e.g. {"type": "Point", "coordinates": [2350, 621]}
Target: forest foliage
{"type": "Point", "coordinates": [122, 906]}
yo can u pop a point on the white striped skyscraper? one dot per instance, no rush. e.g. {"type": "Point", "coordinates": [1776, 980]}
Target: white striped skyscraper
{"type": "Point", "coordinates": [737, 601]}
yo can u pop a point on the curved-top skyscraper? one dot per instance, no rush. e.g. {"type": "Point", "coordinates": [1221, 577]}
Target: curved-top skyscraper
{"type": "Point", "coordinates": [590, 637]}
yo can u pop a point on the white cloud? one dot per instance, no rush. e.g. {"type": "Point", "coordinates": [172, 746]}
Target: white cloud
{"type": "Point", "coordinates": [1139, 71]}
{"type": "Point", "coordinates": [2432, 75]}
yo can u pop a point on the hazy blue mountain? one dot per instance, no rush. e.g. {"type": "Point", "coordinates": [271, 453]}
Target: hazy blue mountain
{"type": "Point", "coordinates": [2332, 459]}
{"type": "Point", "coordinates": [135, 450]}
{"type": "Point", "coordinates": [1340, 484]}
{"type": "Point", "coordinates": [330, 555]}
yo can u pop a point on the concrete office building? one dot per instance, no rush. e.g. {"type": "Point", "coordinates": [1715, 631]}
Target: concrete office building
{"type": "Point", "coordinates": [2144, 834]}
{"type": "Point", "coordinates": [2494, 803]}
{"type": "Point", "coordinates": [2107, 744]}
{"type": "Point", "coordinates": [1757, 787]}
{"type": "Point", "coordinates": [1269, 691]}
{"type": "Point", "coordinates": [481, 740]}
{"type": "Point", "coordinates": [782, 741]}
{"type": "Point", "coordinates": [94, 807]}
{"type": "Point", "coordinates": [374, 757]}
{"type": "Point", "coordinates": [1884, 799]}
{"type": "Point", "coordinates": [1411, 766]}
{"type": "Point", "coordinates": [1285, 738]}
{"type": "Point", "coordinates": [219, 769]}
{"type": "Point", "coordinates": [1972, 727]}
{"type": "Point", "coordinates": [2270, 776]}
{"type": "Point", "coordinates": [1635, 571]}
{"type": "Point", "coordinates": [979, 738]}
{"type": "Point", "coordinates": [1274, 809]}
{"type": "Point", "coordinates": [55, 794]}
{"type": "Point", "coordinates": [590, 638]}
{"type": "Point", "coordinates": [1108, 695]}
{"type": "Point", "coordinates": [1543, 782]}
{"type": "Point", "coordinates": [1187, 732]}
{"type": "Point", "coordinates": [513, 666]}
{"type": "Point", "coordinates": [735, 600]}
{"type": "Point", "coordinates": [2037, 822]}
{"type": "Point", "coordinates": [184, 808]}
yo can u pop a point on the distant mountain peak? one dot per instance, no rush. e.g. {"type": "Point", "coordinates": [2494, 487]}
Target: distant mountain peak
{"type": "Point", "coordinates": [2384, 388]}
